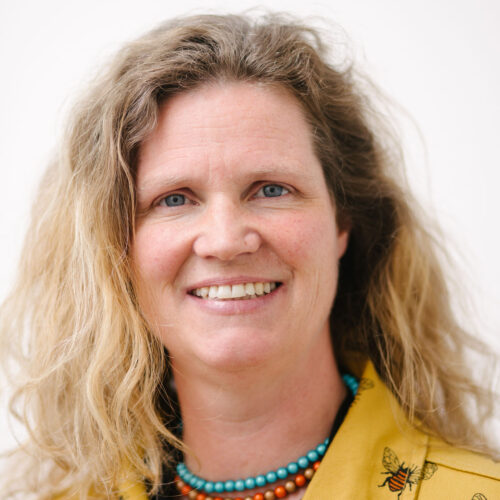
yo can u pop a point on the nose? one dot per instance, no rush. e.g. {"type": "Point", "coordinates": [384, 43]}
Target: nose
{"type": "Point", "coordinates": [225, 232]}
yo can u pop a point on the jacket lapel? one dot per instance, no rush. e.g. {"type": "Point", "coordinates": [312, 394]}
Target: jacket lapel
{"type": "Point", "coordinates": [375, 454]}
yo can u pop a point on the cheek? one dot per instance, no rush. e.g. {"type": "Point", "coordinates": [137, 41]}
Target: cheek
{"type": "Point", "coordinates": [157, 255]}
{"type": "Point", "coordinates": [309, 244]}
{"type": "Point", "coordinates": [305, 239]}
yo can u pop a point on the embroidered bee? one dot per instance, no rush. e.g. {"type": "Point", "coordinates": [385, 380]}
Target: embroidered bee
{"type": "Point", "coordinates": [364, 384]}
{"type": "Point", "coordinates": [400, 476]}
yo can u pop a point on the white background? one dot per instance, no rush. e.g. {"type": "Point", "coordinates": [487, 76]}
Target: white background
{"type": "Point", "coordinates": [439, 59]}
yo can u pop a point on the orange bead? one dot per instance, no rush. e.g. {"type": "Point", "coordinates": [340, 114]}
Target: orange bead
{"type": "Point", "coordinates": [201, 496]}
{"type": "Point", "coordinates": [218, 498]}
{"type": "Point", "coordinates": [186, 489]}
{"type": "Point", "coordinates": [300, 480]}
{"type": "Point", "coordinates": [258, 496]}
{"type": "Point", "coordinates": [280, 492]}
{"type": "Point", "coordinates": [316, 465]}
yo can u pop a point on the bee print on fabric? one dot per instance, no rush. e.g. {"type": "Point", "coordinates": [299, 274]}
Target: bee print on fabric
{"type": "Point", "coordinates": [400, 476]}
{"type": "Point", "coordinates": [479, 496]}
{"type": "Point", "coordinates": [364, 384]}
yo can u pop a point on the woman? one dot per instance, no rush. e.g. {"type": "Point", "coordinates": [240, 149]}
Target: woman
{"type": "Point", "coordinates": [223, 280]}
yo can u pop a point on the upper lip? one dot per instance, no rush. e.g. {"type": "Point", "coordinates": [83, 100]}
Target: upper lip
{"type": "Point", "coordinates": [230, 281]}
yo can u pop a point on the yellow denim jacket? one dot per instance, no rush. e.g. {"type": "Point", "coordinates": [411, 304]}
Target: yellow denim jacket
{"type": "Point", "coordinates": [376, 455]}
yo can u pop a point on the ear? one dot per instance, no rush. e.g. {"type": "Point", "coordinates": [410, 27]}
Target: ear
{"type": "Point", "coordinates": [342, 241]}
{"type": "Point", "coordinates": [343, 232]}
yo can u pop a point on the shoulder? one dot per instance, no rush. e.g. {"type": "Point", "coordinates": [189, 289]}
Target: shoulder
{"type": "Point", "coordinates": [460, 474]}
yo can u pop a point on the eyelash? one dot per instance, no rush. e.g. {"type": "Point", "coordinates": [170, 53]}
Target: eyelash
{"type": "Point", "coordinates": [164, 203]}
{"type": "Point", "coordinates": [284, 191]}
{"type": "Point", "coordinates": [283, 188]}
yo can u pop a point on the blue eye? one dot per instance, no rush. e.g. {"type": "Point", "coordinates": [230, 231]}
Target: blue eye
{"type": "Point", "coordinates": [174, 200]}
{"type": "Point", "coordinates": [271, 191]}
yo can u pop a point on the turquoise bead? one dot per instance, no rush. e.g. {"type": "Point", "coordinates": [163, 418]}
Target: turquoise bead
{"type": "Point", "coordinates": [260, 481]}
{"type": "Point", "coordinates": [351, 383]}
{"type": "Point", "coordinates": [250, 483]}
{"type": "Point", "coordinates": [282, 473]}
{"type": "Point", "coordinates": [271, 477]}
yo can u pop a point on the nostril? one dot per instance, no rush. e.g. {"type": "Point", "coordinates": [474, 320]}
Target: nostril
{"type": "Point", "coordinates": [252, 241]}
{"type": "Point", "coordinates": [225, 243]}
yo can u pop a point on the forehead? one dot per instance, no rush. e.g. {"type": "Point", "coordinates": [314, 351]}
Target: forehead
{"type": "Point", "coordinates": [232, 123]}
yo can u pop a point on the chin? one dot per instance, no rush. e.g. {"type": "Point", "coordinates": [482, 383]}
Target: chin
{"type": "Point", "coordinates": [232, 350]}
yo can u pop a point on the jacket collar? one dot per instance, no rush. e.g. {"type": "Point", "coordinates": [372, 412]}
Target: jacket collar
{"type": "Point", "coordinates": [374, 437]}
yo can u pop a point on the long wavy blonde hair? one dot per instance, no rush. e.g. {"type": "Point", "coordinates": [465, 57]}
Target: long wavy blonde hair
{"type": "Point", "coordinates": [90, 372]}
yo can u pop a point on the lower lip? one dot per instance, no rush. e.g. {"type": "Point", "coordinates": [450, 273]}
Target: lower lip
{"type": "Point", "coordinates": [233, 307]}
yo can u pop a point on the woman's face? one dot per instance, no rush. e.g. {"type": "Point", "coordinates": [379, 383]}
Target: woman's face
{"type": "Point", "coordinates": [236, 245]}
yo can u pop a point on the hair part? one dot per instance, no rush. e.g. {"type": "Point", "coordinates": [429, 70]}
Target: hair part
{"type": "Point", "coordinates": [92, 370]}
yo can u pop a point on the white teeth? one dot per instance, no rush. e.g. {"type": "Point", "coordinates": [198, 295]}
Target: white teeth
{"type": "Point", "coordinates": [238, 291]}
{"type": "Point", "coordinates": [224, 292]}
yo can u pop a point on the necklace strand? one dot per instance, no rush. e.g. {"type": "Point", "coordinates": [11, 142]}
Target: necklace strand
{"type": "Point", "coordinates": [197, 488]}
{"type": "Point", "coordinates": [281, 491]}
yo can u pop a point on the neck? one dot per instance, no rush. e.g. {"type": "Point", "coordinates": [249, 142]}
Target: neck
{"type": "Point", "coordinates": [245, 423]}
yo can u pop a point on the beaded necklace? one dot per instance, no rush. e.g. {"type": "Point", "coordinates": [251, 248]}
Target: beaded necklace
{"type": "Point", "coordinates": [197, 488]}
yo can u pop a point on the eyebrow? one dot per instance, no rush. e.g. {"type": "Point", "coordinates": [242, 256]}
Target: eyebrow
{"type": "Point", "coordinates": [162, 180]}
{"type": "Point", "coordinates": [167, 180]}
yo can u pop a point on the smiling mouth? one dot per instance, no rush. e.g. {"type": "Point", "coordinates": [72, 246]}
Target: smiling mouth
{"type": "Point", "coordinates": [240, 291]}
